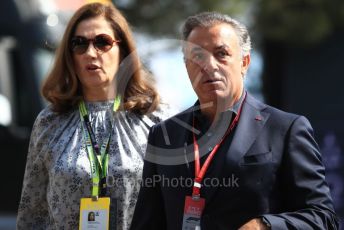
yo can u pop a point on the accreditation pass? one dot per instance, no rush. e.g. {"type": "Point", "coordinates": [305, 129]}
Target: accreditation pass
{"type": "Point", "coordinates": [193, 210]}
{"type": "Point", "coordinates": [94, 214]}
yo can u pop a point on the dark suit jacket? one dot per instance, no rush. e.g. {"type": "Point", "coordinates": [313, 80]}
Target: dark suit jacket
{"type": "Point", "coordinates": [271, 168]}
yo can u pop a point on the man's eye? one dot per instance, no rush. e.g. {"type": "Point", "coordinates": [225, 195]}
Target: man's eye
{"type": "Point", "coordinates": [222, 54]}
{"type": "Point", "coordinates": [198, 57]}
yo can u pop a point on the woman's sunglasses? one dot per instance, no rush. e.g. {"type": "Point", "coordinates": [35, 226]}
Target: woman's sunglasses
{"type": "Point", "coordinates": [101, 42]}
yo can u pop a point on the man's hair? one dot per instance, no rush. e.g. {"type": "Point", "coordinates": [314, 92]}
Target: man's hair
{"type": "Point", "coordinates": [209, 19]}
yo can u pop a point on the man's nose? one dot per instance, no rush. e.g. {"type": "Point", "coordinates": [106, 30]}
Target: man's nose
{"type": "Point", "coordinates": [210, 65]}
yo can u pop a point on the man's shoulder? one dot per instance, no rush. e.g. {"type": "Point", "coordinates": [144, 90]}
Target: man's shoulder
{"type": "Point", "coordinates": [271, 110]}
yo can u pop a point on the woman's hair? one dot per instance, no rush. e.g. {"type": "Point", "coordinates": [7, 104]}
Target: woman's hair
{"type": "Point", "coordinates": [62, 87]}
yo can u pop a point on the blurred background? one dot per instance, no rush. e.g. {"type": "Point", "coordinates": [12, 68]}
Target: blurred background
{"type": "Point", "coordinates": [297, 62]}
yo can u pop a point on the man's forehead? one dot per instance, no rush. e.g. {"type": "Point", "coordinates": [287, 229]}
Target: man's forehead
{"type": "Point", "coordinates": [214, 36]}
{"type": "Point", "coordinates": [197, 48]}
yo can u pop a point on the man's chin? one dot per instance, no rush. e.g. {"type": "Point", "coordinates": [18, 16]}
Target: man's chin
{"type": "Point", "coordinates": [215, 98]}
{"type": "Point", "coordinates": [214, 95]}
{"type": "Point", "coordinates": [210, 99]}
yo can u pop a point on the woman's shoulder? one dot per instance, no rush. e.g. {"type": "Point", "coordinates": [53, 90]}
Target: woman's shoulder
{"type": "Point", "coordinates": [50, 125]}
{"type": "Point", "coordinates": [163, 112]}
{"type": "Point", "coordinates": [47, 115]}
{"type": "Point", "coordinates": [48, 119]}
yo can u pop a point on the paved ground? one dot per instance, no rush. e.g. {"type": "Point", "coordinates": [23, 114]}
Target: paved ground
{"type": "Point", "coordinates": [7, 222]}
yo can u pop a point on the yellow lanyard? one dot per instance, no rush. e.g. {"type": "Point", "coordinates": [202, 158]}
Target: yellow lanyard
{"type": "Point", "coordinates": [99, 158]}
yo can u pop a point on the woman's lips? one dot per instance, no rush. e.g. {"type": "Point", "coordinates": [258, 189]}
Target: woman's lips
{"type": "Point", "coordinates": [92, 67]}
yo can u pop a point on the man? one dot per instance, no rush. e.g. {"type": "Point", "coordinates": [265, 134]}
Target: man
{"type": "Point", "coordinates": [251, 166]}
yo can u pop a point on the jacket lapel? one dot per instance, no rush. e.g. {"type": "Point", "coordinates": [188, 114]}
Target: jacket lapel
{"type": "Point", "coordinates": [251, 122]}
{"type": "Point", "coordinates": [250, 125]}
{"type": "Point", "coordinates": [184, 139]}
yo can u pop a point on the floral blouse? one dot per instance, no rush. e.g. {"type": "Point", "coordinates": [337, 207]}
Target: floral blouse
{"type": "Point", "coordinates": [58, 172]}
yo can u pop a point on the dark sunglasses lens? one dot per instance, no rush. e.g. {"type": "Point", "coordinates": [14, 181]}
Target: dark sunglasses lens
{"type": "Point", "coordinates": [103, 42]}
{"type": "Point", "coordinates": [79, 45]}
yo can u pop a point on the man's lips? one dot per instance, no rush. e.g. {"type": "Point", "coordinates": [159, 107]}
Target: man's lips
{"type": "Point", "coordinates": [210, 81]}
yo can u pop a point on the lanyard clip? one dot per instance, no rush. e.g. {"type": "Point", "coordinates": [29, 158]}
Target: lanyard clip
{"type": "Point", "coordinates": [196, 190]}
{"type": "Point", "coordinates": [197, 185]}
{"type": "Point", "coordinates": [95, 198]}
{"type": "Point", "coordinates": [196, 197]}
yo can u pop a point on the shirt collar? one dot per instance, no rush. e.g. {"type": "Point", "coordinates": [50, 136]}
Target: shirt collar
{"type": "Point", "coordinates": [235, 108]}
{"type": "Point", "coordinates": [204, 122]}
{"type": "Point", "coordinates": [237, 105]}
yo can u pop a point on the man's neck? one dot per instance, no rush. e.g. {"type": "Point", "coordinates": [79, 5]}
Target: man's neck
{"type": "Point", "coordinates": [212, 110]}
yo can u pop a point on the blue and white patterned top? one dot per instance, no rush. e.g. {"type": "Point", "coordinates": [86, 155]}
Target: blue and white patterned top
{"type": "Point", "coordinates": [58, 172]}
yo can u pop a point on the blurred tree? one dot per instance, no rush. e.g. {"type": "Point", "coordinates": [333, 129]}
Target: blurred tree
{"type": "Point", "coordinates": [295, 24]}
{"type": "Point", "coordinates": [299, 21]}
{"type": "Point", "coordinates": [164, 17]}
{"type": "Point", "coordinates": [292, 22]}
{"type": "Point", "coordinates": [276, 25]}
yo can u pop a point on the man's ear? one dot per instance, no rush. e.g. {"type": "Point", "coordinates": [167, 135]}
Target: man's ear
{"type": "Point", "coordinates": [245, 63]}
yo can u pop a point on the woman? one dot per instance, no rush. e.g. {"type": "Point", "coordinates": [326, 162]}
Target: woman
{"type": "Point", "coordinates": [95, 65]}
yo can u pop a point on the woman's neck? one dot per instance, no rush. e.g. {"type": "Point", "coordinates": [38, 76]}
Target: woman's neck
{"type": "Point", "coordinates": [99, 94]}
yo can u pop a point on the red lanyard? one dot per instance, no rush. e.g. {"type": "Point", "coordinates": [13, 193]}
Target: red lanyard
{"type": "Point", "coordinates": [200, 172]}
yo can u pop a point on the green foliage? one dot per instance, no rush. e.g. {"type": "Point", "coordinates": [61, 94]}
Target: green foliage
{"type": "Point", "coordinates": [299, 21]}
{"type": "Point", "coordinates": [288, 21]}
{"type": "Point", "coordinates": [165, 17]}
